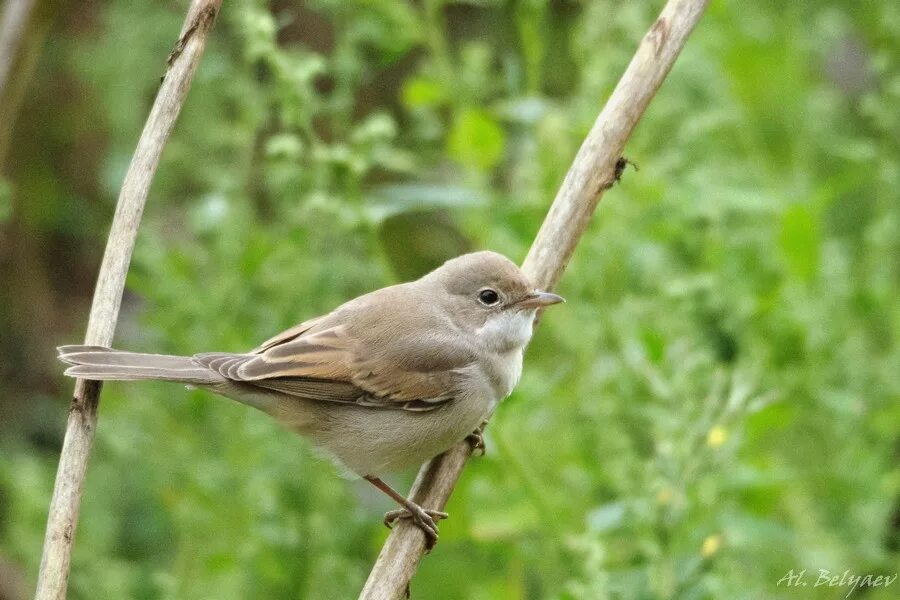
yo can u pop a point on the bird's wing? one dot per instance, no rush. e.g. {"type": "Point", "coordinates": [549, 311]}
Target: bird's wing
{"type": "Point", "coordinates": [289, 334]}
{"type": "Point", "coordinates": [321, 362]}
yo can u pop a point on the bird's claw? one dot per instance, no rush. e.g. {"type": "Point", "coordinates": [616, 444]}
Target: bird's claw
{"type": "Point", "coordinates": [476, 440]}
{"type": "Point", "coordinates": [424, 518]}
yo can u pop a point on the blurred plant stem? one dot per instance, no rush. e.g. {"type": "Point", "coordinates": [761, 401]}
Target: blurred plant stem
{"type": "Point", "coordinates": [24, 25]}
{"type": "Point", "coordinates": [23, 28]}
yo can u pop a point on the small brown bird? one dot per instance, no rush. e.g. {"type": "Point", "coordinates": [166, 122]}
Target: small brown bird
{"type": "Point", "coordinates": [383, 382]}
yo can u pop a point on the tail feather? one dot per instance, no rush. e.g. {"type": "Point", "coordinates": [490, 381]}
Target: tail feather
{"type": "Point", "coordinates": [106, 364]}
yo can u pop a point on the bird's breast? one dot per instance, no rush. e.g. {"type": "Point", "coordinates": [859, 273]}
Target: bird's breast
{"type": "Point", "coordinates": [502, 373]}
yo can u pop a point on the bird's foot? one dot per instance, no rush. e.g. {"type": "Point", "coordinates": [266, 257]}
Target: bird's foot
{"type": "Point", "coordinates": [476, 440]}
{"type": "Point", "coordinates": [423, 518]}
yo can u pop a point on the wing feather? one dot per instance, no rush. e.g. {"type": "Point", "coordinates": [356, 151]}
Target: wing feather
{"type": "Point", "coordinates": [322, 359]}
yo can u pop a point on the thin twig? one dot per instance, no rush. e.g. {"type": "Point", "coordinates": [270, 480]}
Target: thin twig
{"type": "Point", "coordinates": [64, 506]}
{"type": "Point", "coordinates": [593, 171]}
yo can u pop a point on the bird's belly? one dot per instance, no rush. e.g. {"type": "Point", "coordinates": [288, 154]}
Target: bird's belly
{"type": "Point", "coordinates": [372, 441]}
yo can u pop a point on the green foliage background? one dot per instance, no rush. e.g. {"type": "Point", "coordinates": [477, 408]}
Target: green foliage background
{"type": "Point", "coordinates": [716, 404]}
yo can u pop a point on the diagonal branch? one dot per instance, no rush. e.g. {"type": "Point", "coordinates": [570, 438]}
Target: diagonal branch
{"type": "Point", "coordinates": [66, 501]}
{"type": "Point", "coordinates": [595, 169]}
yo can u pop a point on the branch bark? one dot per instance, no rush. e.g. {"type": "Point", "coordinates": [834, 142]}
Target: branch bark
{"type": "Point", "coordinates": [66, 501]}
{"type": "Point", "coordinates": [594, 170]}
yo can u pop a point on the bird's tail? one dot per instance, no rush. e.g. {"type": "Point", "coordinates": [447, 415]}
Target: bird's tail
{"type": "Point", "coordinates": [105, 364]}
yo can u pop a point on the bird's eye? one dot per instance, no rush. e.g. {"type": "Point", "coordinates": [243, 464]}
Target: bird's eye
{"type": "Point", "coordinates": [488, 297]}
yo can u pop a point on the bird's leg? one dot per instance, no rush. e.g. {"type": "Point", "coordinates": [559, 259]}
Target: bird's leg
{"type": "Point", "coordinates": [424, 518]}
{"type": "Point", "coordinates": [476, 439]}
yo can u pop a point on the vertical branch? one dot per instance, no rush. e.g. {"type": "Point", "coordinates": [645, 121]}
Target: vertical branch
{"type": "Point", "coordinates": [66, 501]}
{"type": "Point", "coordinates": [595, 169]}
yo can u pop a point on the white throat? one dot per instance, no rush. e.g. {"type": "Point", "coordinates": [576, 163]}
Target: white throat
{"type": "Point", "coordinates": [507, 331]}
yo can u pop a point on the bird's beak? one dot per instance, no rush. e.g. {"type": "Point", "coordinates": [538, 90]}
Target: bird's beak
{"type": "Point", "coordinates": [539, 299]}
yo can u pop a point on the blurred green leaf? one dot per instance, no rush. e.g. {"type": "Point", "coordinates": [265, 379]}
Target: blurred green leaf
{"type": "Point", "coordinates": [420, 92]}
{"type": "Point", "coordinates": [390, 200]}
{"type": "Point", "coordinates": [800, 240]}
{"type": "Point", "coordinates": [476, 139]}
